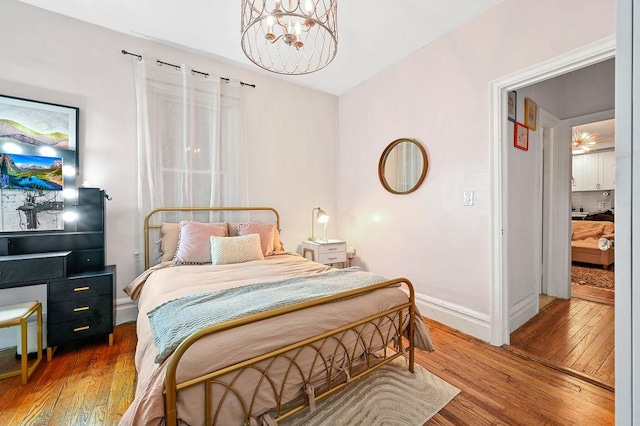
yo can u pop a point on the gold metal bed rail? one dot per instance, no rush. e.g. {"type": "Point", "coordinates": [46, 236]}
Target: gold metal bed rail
{"type": "Point", "coordinates": [394, 334]}
{"type": "Point", "coordinates": [148, 218]}
{"type": "Point", "coordinates": [388, 326]}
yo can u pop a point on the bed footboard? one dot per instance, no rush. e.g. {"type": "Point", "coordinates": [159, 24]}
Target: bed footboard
{"type": "Point", "coordinates": [295, 376]}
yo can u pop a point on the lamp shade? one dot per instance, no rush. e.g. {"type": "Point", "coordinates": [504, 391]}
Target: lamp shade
{"type": "Point", "coordinates": [322, 217]}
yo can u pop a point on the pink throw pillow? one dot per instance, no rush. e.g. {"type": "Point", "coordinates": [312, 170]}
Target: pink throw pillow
{"type": "Point", "coordinates": [194, 244]}
{"type": "Point", "coordinates": [266, 232]}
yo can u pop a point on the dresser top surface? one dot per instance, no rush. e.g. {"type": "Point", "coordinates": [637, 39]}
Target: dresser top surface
{"type": "Point", "coordinates": [14, 257]}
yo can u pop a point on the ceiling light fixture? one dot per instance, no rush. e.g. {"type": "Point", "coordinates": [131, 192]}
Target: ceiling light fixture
{"type": "Point", "coordinates": [582, 142]}
{"type": "Point", "coordinates": [290, 37]}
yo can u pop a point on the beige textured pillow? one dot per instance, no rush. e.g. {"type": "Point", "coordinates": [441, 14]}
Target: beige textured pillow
{"type": "Point", "coordinates": [169, 243]}
{"type": "Point", "coordinates": [226, 250]}
{"type": "Point", "coordinates": [170, 235]}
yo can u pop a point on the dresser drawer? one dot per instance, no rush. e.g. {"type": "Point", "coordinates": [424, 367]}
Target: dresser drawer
{"type": "Point", "coordinates": [326, 258]}
{"type": "Point", "coordinates": [77, 329]}
{"type": "Point", "coordinates": [80, 288]}
{"type": "Point", "coordinates": [37, 267]}
{"type": "Point", "coordinates": [87, 260]}
{"type": "Point", "coordinates": [80, 308]}
{"type": "Point", "coordinates": [332, 248]}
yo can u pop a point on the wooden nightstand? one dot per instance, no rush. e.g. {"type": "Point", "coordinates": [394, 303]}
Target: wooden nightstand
{"type": "Point", "coordinates": [326, 252]}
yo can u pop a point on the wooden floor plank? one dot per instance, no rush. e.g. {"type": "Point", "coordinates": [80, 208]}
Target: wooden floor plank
{"type": "Point", "coordinates": [594, 294]}
{"type": "Point", "coordinates": [568, 322]}
{"type": "Point", "coordinates": [577, 335]}
{"type": "Point", "coordinates": [93, 384]}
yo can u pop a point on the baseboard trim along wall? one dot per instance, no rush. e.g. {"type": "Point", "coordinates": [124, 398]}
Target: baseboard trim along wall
{"type": "Point", "coordinates": [470, 322]}
{"type": "Point", "coordinates": [522, 312]}
{"type": "Point", "coordinates": [126, 310]}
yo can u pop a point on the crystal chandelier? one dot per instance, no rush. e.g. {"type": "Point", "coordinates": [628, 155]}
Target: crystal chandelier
{"type": "Point", "coordinates": [290, 36]}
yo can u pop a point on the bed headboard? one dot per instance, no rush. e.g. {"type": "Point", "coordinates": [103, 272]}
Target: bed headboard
{"type": "Point", "coordinates": [153, 220]}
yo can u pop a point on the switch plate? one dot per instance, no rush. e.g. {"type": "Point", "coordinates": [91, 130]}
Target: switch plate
{"type": "Point", "coordinates": [468, 198]}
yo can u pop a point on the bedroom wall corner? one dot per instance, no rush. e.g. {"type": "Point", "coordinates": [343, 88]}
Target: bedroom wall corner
{"type": "Point", "coordinates": [291, 130]}
{"type": "Point", "coordinates": [440, 95]}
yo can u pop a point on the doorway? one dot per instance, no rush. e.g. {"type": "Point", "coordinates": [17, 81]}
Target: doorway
{"type": "Point", "coordinates": [504, 306]}
{"type": "Point", "coordinates": [552, 235]}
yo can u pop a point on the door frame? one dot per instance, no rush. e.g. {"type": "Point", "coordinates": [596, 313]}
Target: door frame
{"type": "Point", "coordinates": [556, 248]}
{"type": "Point", "coordinates": [579, 58]}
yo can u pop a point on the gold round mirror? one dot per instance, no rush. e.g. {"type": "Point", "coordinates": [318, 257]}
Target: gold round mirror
{"type": "Point", "coordinates": [403, 166]}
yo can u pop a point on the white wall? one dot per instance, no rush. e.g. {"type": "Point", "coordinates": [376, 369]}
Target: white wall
{"type": "Point", "coordinates": [291, 130]}
{"type": "Point", "coordinates": [440, 95]}
{"type": "Point", "coordinates": [524, 218]}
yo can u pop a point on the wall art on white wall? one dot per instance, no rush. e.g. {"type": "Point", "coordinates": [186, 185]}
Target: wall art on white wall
{"type": "Point", "coordinates": [512, 105]}
{"type": "Point", "coordinates": [530, 114]}
{"type": "Point", "coordinates": [521, 137]}
{"type": "Point", "coordinates": [38, 159]}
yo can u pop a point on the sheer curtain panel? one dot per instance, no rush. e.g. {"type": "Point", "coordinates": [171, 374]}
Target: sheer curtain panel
{"type": "Point", "coordinates": [190, 145]}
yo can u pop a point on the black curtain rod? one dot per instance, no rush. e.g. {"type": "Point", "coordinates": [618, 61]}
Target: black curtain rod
{"type": "Point", "coordinates": [205, 74]}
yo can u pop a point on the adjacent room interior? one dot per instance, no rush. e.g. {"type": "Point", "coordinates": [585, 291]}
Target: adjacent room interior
{"type": "Point", "coordinates": [576, 334]}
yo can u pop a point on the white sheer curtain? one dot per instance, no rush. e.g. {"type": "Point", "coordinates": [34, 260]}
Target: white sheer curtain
{"type": "Point", "coordinates": [190, 140]}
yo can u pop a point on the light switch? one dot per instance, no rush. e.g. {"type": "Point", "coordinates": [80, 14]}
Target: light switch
{"type": "Point", "coordinates": [468, 198]}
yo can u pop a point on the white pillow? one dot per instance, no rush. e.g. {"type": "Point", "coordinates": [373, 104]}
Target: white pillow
{"type": "Point", "coordinates": [225, 250]}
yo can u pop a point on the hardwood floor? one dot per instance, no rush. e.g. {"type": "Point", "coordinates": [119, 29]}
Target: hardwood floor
{"type": "Point", "coordinates": [594, 294]}
{"type": "Point", "coordinates": [499, 387]}
{"type": "Point", "coordinates": [576, 335]}
{"type": "Point", "coordinates": [93, 385]}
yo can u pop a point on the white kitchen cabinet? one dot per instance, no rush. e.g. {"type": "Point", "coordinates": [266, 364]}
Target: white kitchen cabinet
{"type": "Point", "coordinates": [576, 172]}
{"type": "Point", "coordinates": [608, 169]}
{"type": "Point", "coordinates": [593, 172]}
{"type": "Point", "coordinates": [590, 172]}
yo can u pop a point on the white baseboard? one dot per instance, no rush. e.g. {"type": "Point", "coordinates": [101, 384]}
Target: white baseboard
{"type": "Point", "coordinates": [126, 310]}
{"type": "Point", "coordinates": [522, 312]}
{"type": "Point", "coordinates": [455, 316]}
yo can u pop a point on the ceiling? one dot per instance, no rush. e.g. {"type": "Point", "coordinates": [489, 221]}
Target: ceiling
{"type": "Point", "coordinates": [372, 34]}
{"type": "Point", "coordinates": [604, 131]}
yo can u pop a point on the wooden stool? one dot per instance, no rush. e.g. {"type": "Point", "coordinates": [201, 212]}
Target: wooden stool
{"type": "Point", "coordinates": [17, 315]}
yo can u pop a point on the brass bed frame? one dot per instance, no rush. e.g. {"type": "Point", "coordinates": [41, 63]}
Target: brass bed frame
{"type": "Point", "coordinates": [392, 320]}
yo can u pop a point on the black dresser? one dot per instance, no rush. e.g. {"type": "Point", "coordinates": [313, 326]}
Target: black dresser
{"type": "Point", "coordinates": [80, 288]}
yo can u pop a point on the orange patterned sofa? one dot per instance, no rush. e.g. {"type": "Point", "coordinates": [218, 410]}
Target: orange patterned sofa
{"type": "Point", "coordinates": [585, 236]}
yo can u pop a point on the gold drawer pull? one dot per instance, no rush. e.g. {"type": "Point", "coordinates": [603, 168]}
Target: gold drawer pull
{"type": "Point", "coordinates": [334, 257]}
{"type": "Point", "coordinates": [82, 308]}
{"type": "Point", "coordinates": [81, 288]}
{"type": "Point", "coordinates": [86, 327]}
{"type": "Point", "coordinates": [333, 248]}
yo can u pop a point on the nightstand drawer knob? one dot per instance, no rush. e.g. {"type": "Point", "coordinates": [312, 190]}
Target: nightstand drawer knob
{"type": "Point", "coordinates": [332, 248]}
{"type": "Point", "coordinates": [81, 289]}
{"type": "Point", "coordinates": [82, 308]}
{"type": "Point", "coordinates": [333, 258]}
{"type": "Point", "coordinates": [86, 327]}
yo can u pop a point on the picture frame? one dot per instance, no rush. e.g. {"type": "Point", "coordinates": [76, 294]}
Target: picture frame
{"type": "Point", "coordinates": [33, 125]}
{"type": "Point", "coordinates": [39, 163]}
{"type": "Point", "coordinates": [530, 114]}
{"type": "Point", "coordinates": [521, 136]}
{"type": "Point", "coordinates": [512, 105]}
